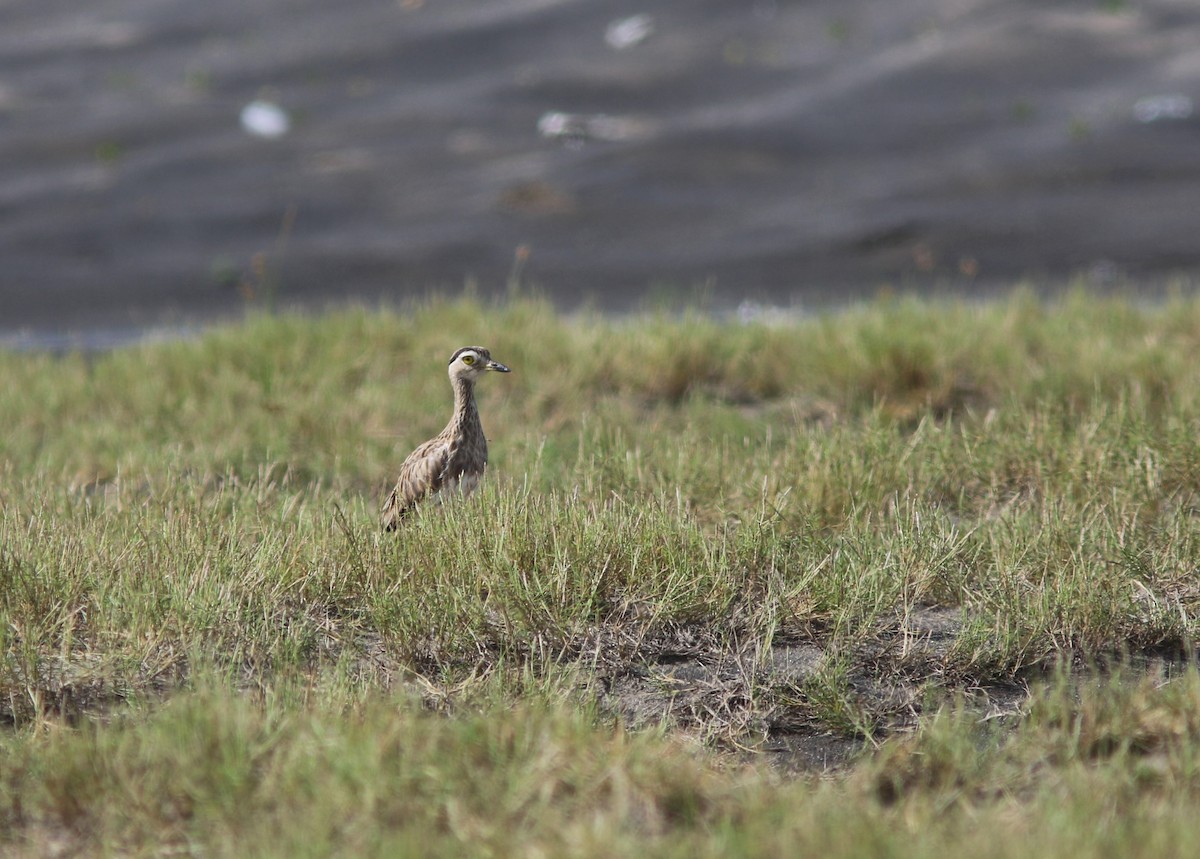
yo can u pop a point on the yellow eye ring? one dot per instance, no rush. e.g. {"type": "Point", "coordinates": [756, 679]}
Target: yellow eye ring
{"type": "Point", "coordinates": [468, 359]}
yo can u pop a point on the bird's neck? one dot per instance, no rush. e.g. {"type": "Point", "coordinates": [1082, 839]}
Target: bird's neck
{"type": "Point", "coordinates": [465, 410]}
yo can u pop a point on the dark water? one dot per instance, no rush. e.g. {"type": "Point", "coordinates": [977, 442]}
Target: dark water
{"type": "Point", "coordinates": [792, 152]}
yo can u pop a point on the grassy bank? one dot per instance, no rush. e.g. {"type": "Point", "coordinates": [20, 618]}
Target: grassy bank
{"type": "Point", "coordinates": [759, 543]}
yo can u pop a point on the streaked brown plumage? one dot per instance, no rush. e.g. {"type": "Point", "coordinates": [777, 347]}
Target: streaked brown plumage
{"type": "Point", "coordinates": [454, 460]}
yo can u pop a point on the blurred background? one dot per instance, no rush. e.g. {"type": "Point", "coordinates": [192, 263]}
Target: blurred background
{"type": "Point", "coordinates": [166, 161]}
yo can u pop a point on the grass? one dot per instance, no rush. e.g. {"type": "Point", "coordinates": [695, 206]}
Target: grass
{"type": "Point", "coordinates": [700, 543]}
{"type": "Point", "coordinates": [1108, 769]}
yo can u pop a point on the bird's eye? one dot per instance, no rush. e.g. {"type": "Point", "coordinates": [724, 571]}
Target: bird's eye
{"type": "Point", "coordinates": [468, 359]}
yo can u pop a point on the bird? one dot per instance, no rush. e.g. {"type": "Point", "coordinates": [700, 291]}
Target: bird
{"type": "Point", "coordinates": [454, 460]}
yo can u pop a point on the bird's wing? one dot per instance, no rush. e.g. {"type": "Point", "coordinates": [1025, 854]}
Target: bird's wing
{"type": "Point", "coordinates": [422, 473]}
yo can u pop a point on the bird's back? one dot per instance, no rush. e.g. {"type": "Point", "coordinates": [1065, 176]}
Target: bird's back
{"type": "Point", "coordinates": [453, 462]}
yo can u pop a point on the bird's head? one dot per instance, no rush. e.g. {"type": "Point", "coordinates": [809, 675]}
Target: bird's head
{"type": "Point", "coordinates": [471, 362]}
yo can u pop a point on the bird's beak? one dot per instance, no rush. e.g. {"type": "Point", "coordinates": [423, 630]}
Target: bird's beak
{"type": "Point", "coordinates": [498, 367]}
